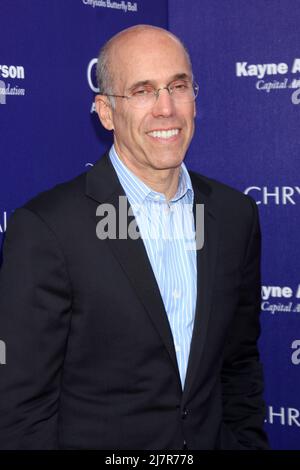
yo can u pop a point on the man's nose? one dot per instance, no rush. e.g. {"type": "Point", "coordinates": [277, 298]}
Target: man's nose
{"type": "Point", "coordinates": [164, 105]}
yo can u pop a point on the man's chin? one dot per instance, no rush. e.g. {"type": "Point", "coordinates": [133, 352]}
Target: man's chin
{"type": "Point", "coordinates": [168, 163]}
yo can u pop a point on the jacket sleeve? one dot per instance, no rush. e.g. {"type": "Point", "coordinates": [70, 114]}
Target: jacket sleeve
{"type": "Point", "coordinates": [35, 312]}
{"type": "Point", "coordinates": [242, 374]}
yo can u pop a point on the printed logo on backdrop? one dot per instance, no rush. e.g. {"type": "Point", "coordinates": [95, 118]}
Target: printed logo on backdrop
{"type": "Point", "coordinates": [273, 77]}
{"type": "Point", "coordinates": [114, 5]}
{"type": "Point", "coordinates": [295, 357]}
{"type": "Point", "coordinates": [280, 300]}
{"type": "Point", "coordinates": [283, 416]}
{"type": "Point", "coordinates": [278, 195]}
{"type": "Point", "coordinates": [9, 74]}
{"type": "Point", "coordinates": [92, 81]}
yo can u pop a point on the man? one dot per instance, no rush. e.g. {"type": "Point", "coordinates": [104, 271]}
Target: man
{"type": "Point", "coordinates": [144, 340]}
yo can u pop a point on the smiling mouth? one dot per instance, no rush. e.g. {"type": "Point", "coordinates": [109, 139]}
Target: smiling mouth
{"type": "Point", "coordinates": [164, 134]}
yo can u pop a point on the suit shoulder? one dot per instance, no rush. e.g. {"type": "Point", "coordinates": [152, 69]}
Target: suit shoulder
{"type": "Point", "coordinates": [231, 204]}
{"type": "Point", "coordinates": [60, 198]}
{"type": "Point", "coordinates": [222, 194]}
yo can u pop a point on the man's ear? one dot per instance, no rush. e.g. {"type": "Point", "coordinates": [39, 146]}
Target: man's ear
{"type": "Point", "coordinates": [104, 111]}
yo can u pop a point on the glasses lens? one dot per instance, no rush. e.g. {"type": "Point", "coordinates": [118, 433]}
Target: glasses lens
{"type": "Point", "coordinates": [143, 100]}
{"type": "Point", "coordinates": [183, 92]}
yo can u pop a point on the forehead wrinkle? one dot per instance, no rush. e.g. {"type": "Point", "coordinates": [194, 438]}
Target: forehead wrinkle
{"type": "Point", "coordinates": [154, 82]}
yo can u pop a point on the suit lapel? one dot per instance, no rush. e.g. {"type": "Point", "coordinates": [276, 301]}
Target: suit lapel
{"type": "Point", "coordinates": [206, 261]}
{"type": "Point", "coordinates": [103, 186]}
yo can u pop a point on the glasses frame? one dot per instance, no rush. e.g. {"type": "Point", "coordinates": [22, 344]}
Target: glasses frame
{"type": "Point", "coordinates": [195, 87]}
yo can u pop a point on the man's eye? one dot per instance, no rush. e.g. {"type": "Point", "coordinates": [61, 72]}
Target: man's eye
{"type": "Point", "coordinates": [180, 86]}
{"type": "Point", "coordinates": [142, 92]}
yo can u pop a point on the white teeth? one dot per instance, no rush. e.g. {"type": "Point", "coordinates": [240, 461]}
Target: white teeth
{"type": "Point", "coordinates": [164, 134]}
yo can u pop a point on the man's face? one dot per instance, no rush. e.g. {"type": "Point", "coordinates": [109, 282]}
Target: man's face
{"type": "Point", "coordinates": [157, 59]}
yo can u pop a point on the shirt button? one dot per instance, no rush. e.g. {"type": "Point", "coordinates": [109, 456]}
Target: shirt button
{"type": "Point", "coordinates": [184, 413]}
{"type": "Point", "coordinates": [176, 294]}
{"type": "Point", "coordinates": [177, 348]}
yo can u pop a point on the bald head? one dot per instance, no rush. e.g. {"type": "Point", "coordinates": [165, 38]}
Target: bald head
{"type": "Point", "coordinates": [111, 53]}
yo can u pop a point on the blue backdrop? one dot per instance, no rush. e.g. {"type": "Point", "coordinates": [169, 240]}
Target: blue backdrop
{"type": "Point", "coordinates": [247, 62]}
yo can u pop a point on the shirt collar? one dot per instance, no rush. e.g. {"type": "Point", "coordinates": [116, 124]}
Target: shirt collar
{"type": "Point", "coordinates": [137, 191]}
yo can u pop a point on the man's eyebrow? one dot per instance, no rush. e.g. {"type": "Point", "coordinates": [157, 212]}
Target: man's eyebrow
{"type": "Point", "coordinates": [180, 76]}
{"type": "Point", "coordinates": [177, 76]}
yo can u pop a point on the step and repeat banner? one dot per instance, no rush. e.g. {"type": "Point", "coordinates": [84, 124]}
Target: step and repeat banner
{"type": "Point", "coordinates": [246, 58]}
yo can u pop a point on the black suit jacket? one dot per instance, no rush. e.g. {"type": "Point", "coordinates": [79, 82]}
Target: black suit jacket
{"type": "Point", "coordinates": [91, 362]}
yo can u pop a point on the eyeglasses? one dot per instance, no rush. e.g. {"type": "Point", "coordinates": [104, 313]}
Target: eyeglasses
{"type": "Point", "coordinates": [181, 91]}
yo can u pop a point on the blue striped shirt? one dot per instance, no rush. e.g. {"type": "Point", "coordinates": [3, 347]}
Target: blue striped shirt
{"type": "Point", "coordinates": [167, 230]}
